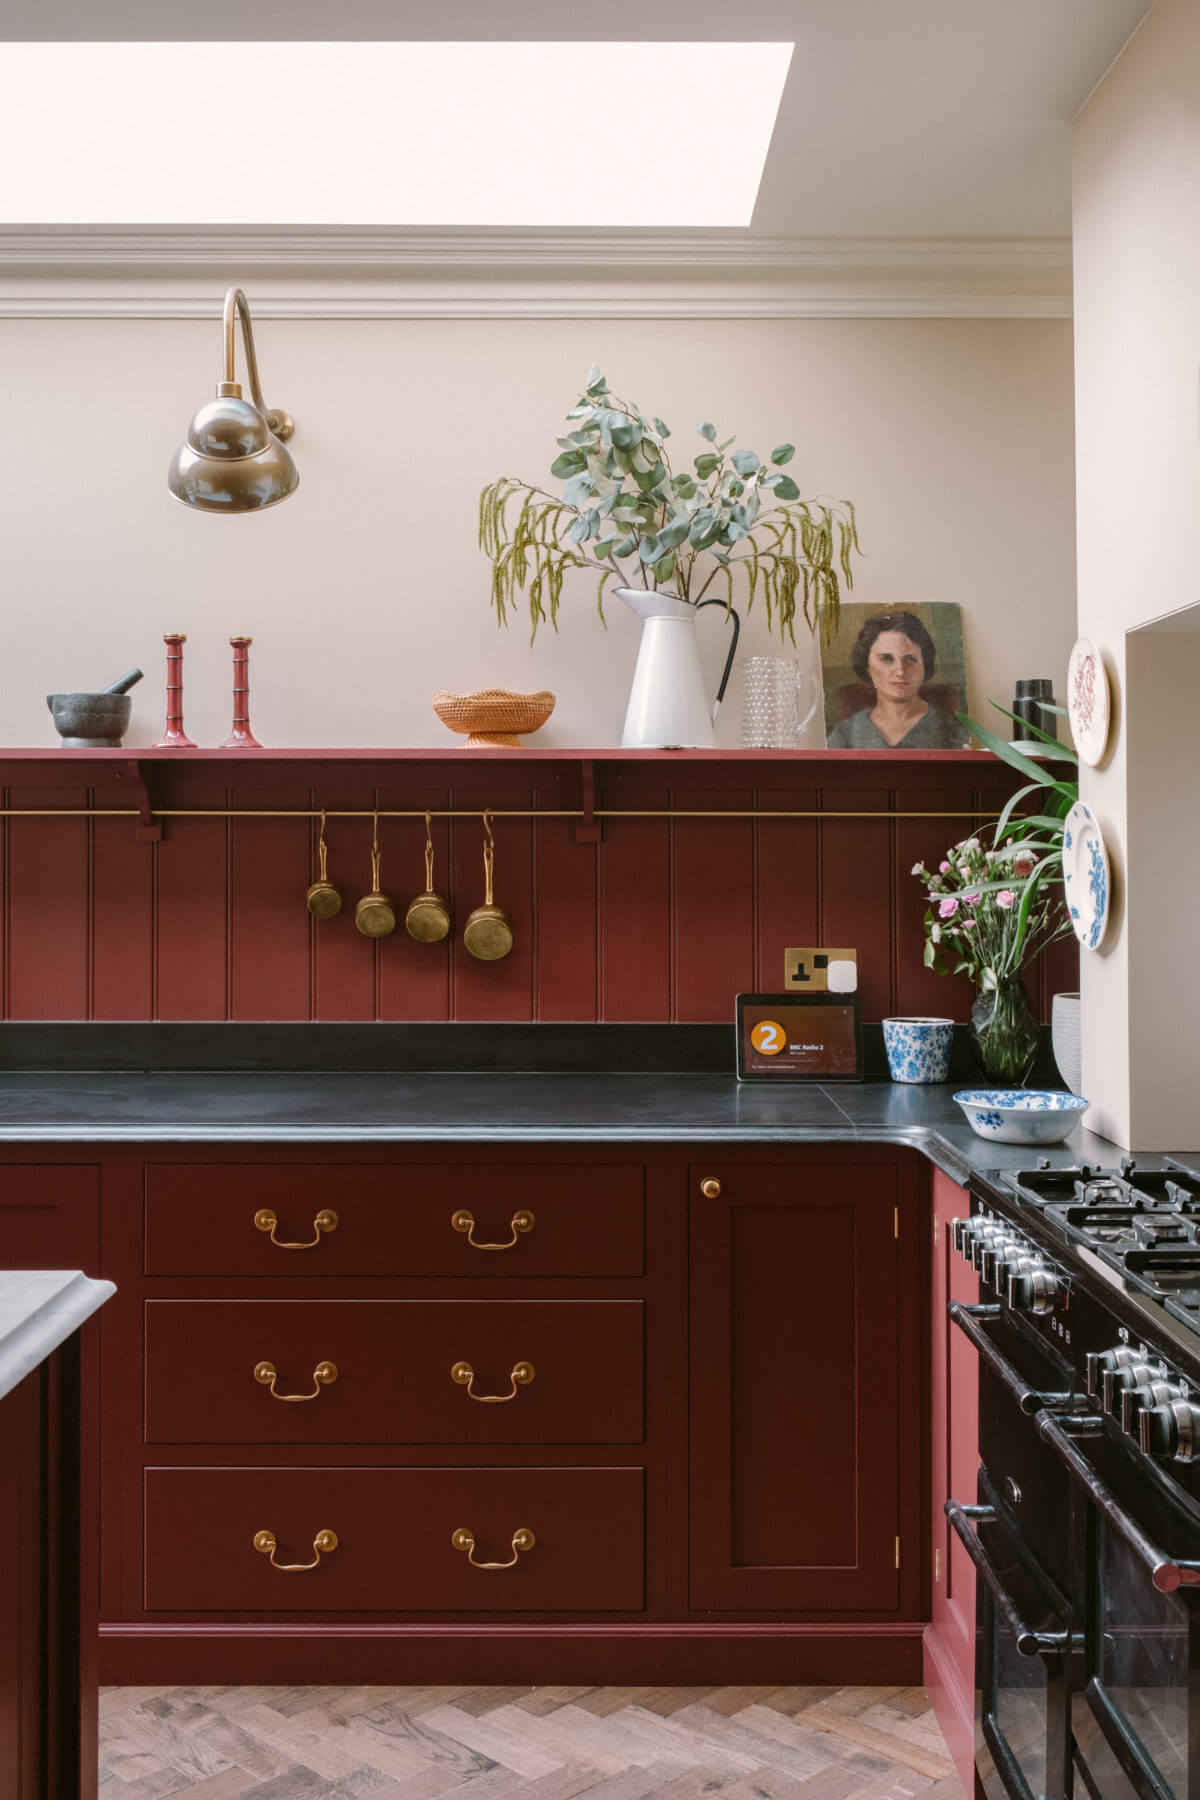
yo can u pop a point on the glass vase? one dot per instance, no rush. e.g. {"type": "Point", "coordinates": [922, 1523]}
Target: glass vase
{"type": "Point", "coordinates": [1004, 1034]}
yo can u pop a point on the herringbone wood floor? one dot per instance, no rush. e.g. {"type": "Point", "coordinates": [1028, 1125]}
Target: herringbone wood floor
{"type": "Point", "coordinates": [548, 1743]}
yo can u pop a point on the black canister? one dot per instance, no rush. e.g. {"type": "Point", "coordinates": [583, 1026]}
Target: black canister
{"type": "Point", "coordinates": [1031, 702]}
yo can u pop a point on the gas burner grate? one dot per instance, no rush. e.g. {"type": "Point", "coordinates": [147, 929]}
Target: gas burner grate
{"type": "Point", "coordinates": [1102, 1190]}
{"type": "Point", "coordinates": [1171, 1269]}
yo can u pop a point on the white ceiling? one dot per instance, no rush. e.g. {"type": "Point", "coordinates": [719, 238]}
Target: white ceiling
{"type": "Point", "coordinates": [901, 118]}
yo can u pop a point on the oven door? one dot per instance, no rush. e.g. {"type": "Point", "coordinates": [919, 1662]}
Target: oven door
{"type": "Point", "coordinates": [1023, 1659]}
{"type": "Point", "coordinates": [1136, 1718]}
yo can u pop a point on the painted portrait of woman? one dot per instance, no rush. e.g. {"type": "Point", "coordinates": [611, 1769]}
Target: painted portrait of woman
{"type": "Point", "coordinates": [895, 660]}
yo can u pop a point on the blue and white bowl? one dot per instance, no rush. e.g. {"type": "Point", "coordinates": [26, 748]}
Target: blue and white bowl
{"type": "Point", "coordinates": [1022, 1115]}
{"type": "Point", "coordinates": [918, 1049]}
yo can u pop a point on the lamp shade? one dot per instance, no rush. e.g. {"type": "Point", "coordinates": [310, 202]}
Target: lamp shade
{"type": "Point", "coordinates": [231, 461]}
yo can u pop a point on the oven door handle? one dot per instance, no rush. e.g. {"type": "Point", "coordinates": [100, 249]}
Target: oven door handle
{"type": "Point", "coordinates": [969, 1320]}
{"type": "Point", "coordinates": [1166, 1572]}
{"type": "Point", "coordinates": [1028, 1641]}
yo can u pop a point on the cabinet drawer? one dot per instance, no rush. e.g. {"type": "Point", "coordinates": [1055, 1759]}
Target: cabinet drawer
{"type": "Point", "coordinates": [394, 1530]}
{"type": "Point", "coordinates": [395, 1219]}
{"type": "Point", "coordinates": [579, 1371]}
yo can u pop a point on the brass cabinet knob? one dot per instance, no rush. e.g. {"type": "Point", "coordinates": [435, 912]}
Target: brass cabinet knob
{"type": "Point", "coordinates": [463, 1220]}
{"type": "Point", "coordinates": [324, 1544]}
{"type": "Point", "coordinates": [268, 1375]}
{"type": "Point", "coordinates": [266, 1219]}
{"type": "Point", "coordinates": [520, 1375]}
{"type": "Point", "coordinates": [464, 1539]}
{"type": "Point", "coordinates": [711, 1189]}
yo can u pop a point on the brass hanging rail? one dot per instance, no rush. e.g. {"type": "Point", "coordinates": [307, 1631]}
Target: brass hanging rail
{"type": "Point", "coordinates": [472, 812]}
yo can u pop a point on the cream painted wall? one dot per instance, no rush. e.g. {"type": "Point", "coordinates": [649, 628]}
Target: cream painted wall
{"type": "Point", "coordinates": [1137, 337]}
{"type": "Point", "coordinates": [366, 592]}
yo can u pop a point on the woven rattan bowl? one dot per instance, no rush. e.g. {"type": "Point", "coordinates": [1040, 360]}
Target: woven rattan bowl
{"type": "Point", "coordinates": [493, 717]}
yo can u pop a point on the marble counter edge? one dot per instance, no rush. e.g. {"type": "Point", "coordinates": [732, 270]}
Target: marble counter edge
{"type": "Point", "coordinates": [39, 1310]}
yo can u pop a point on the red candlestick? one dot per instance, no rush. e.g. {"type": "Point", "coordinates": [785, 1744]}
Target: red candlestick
{"type": "Point", "coordinates": [241, 737]}
{"type": "Point", "coordinates": [174, 737]}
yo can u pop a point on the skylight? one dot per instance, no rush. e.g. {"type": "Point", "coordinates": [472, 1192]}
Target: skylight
{"type": "Point", "coordinates": [416, 134]}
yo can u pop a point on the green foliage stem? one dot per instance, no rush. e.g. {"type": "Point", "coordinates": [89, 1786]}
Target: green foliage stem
{"type": "Point", "coordinates": [625, 513]}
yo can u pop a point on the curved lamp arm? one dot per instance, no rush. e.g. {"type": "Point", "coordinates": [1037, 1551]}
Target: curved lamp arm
{"type": "Point", "coordinates": [238, 307]}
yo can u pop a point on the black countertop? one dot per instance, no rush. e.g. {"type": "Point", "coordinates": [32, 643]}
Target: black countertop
{"type": "Point", "coordinates": [503, 1108]}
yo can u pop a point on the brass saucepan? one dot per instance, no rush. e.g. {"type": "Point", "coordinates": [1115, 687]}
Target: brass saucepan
{"type": "Point", "coordinates": [487, 933]}
{"type": "Point", "coordinates": [428, 916]}
{"type": "Point", "coordinates": [323, 899]}
{"type": "Point", "coordinates": [375, 915]}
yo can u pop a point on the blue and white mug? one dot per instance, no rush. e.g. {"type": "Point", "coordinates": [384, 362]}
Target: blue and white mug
{"type": "Point", "coordinates": [918, 1049]}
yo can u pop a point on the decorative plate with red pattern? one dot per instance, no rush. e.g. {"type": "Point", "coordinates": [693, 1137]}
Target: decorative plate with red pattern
{"type": "Point", "coordinates": [1088, 701]}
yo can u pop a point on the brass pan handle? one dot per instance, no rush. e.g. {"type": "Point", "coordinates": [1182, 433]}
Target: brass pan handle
{"type": "Point", "coordinates": [323, 1374]}
{"type": "Point", "coordinates": [463, 1220]}
{"type": "Point", "coordinates": [464, 1539]}
{"type": "Point", "coordinates": [520, 1375]}
{"type": "Point", "coordinates": [324, 1544]}
{"type": "Point", "coordinates": [265, 1219]}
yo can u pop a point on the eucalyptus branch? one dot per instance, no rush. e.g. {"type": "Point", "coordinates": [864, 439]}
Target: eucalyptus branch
{"type": "Point", "coordinates": [621, 499]}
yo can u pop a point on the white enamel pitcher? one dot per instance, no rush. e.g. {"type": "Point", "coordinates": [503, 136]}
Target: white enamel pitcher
{"type": "Point", "coordinates": [669, 706]}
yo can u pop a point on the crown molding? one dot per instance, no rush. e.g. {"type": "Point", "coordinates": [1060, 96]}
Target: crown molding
{"type": "Point", "coordinates": [345, 273]}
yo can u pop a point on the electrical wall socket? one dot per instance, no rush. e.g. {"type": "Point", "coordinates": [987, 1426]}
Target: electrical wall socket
{"type": "Point", "coordinates": [818, 971]}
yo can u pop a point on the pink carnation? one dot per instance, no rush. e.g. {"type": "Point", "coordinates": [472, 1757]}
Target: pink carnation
{"type": "Point", "coordinates": [943, 868]}
{"type": "Point", "coordinates": [972, 897]}
{"type": "Point", "coordinates": [947, 907]}
{"type": "Point", "coordinates": [1005, 898]}
{"type": "Point", "coordinates": [1023, 866]}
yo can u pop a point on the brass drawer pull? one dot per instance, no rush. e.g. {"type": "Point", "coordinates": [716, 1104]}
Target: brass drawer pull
{"type": "Point", "coordinates": [521, 1374]}
{"type": "Point", "coordinates": [464, 1539]}
{"type": "Point", "coordinates": [324, 1544]}
{"type": "Point", "coordinates": [463, 1220]}
{"type": "Point", "coordinates": [323, 1374]}
{"type": "Point", "coordinates": [266, 1220]}
{"type": "Point", "coordinates": [711, 1188]}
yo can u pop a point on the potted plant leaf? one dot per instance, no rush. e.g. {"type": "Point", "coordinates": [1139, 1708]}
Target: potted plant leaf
{"type": "Point", "coordinates": [662, 536]}
{"type": "Point", "coordinates": [991, 910]}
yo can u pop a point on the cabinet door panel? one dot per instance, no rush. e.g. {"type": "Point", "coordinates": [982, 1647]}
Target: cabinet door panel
{"type": "Point", "coordinates": [795, 1396]}
{"type": "Point", "coordinates": [49, 1217]}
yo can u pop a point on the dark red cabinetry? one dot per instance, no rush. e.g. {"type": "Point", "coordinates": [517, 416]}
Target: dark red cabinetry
{"type": "Point", "coordinates": [721, 1455]}
{"type": "Point", "coordinates": [50, 1216]}
{"type": "Point", "coordinates": [395, 1371]}
{"type": "Point", "coordinates": [954, 1384]}
{"type": "Point", "coordinates": [420, 1219]}
{"type": "Point", "coordinates": [48, 1647]}
{"type": "Point", "coordinates": [803, 1374]}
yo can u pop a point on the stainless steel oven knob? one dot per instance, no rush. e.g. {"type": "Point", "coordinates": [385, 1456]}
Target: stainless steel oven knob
{"type": "Point", "coordinates": [1033, 1290]}
{"type": "Point", "coordinates": [964, 1234]}
{"type": "Point", "coordinates": [984, 1234]}
{"type": "Point", "coordinates": [1133, 1375]}
{"type": "Point", "coordinates": [1172, 1429]}
{"type": "Point", "coordinates": [1100, 1360]}
{"type": "Point", "coordinates": [991, 1255]}
{"type": "Point", "coordinates": [1135, 1400]}
{"type": "Point", "coordinates": [1019, 1261]}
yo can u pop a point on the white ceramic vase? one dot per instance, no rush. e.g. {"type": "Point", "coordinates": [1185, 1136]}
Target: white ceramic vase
{"type": "Point", "coordinates": [669, 707]}
{"type": "Point", "coordinates": [1065, 1039]}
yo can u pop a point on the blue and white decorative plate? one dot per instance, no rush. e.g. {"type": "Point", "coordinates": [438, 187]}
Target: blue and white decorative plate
{"type": "Point", "coordinates": [1022, 1115]}
{"type": "Point", "coordinates": [1086, 876]}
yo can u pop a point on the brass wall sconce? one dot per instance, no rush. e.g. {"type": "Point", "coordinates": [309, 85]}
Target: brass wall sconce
{"type": "Point", "coordinates": [233, 459]}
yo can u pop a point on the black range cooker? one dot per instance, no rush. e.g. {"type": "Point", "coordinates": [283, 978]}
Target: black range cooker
{"type": "Point", "coordinates": [1085, 1530]}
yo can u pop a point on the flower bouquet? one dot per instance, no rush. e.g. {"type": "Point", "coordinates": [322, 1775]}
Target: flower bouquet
{"type": "Point", "coordinates": [989, 912]}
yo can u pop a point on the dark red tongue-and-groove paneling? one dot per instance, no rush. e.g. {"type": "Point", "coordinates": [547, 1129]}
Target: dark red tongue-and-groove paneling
{"type": "Point", "coordinates": [663, 919]}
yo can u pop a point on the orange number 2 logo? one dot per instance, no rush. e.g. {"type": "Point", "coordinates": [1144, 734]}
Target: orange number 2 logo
{"type": "Point", "coordinates": [767, 1037]}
